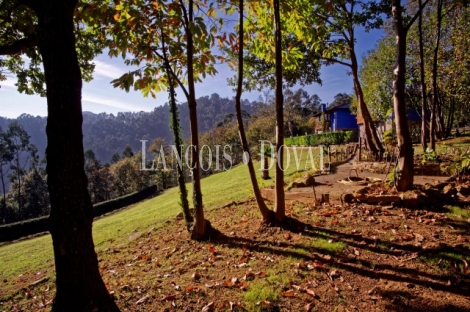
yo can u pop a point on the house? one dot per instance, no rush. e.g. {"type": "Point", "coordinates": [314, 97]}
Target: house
{"type": "Point", "coordinates": [336, 118]}
{"type": "Point", "coordinates": [414, 124]}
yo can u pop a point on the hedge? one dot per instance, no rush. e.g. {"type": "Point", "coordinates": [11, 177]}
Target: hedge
{"type": "Point", "coordinates": [20, 229]}
{"type": "Point", "coordinates": [328, 138]}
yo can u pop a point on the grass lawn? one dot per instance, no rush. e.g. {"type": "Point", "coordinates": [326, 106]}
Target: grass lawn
{"type": "Point", "coordinates": [33, 255]}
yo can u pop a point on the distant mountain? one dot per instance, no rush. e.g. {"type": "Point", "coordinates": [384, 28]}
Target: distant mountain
{"type": "Point", "coordinates": [107, 134]}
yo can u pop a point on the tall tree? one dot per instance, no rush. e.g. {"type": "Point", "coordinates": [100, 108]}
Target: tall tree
{"type": "Point", "coordinates": [404, 180]}
{"type": "Point", "coordinates": [341, 18]}
{"type": "Point", "coordinates": [265, 212]}
{"type": "Point", "coordinates": [280, 203]}
{"type": "Point", "coordinates": [186, 44]}
{"type": "Point", "coordinates": [6, 156]}
{"type": "Point", "coordinates": [422, 75]}
{"type": "Point", "coordinates": [23, 151]}
{"type": "Point", "coordinates": [79, 284]}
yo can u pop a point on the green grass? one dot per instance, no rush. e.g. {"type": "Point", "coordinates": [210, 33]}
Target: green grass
{"type": "Point", "coordinates": [450, 146]}
{"type": "Point", "coordinates": [324, 246]}
{"type": "Point", "coordinates": [260, 290]}
{"type": "Point", "coordinates": [444, 261]}
{"type": "Point", "coordinates": [218, 189]}
{"type": "Point", "coordinates": [457, 213]}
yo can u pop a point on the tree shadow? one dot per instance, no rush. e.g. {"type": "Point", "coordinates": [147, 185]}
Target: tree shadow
{"type": "Point", "coordinates": [460, 282]}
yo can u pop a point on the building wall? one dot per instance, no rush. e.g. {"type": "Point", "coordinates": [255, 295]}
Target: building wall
{"type": "Point", "coordinates": [342, 118]}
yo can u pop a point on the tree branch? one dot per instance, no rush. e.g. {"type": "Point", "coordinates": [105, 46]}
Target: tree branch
{"type": "Point", "coordinates": [18, 46]}
{"type": "Point", "coordinates": [413, 19]}
{"type": "Point", "coordinates": [332, 60]}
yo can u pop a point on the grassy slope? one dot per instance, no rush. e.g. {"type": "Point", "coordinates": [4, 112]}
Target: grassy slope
{"type": "Point", "coordinates": [218, 189]}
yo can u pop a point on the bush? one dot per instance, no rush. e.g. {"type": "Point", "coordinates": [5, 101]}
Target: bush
{"type": "Point", "coordinates": [20, 229]}
{"type": "Point", "coordinates": [328, 138]}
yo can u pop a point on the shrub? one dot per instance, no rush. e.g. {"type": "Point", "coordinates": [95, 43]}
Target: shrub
{"type": "Point", "coordinates": [328, 138]}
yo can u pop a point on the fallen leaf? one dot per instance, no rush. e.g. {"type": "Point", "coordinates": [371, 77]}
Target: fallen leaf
{"type": "Point", "coordinates": [196, 276]}
{"type": "Point", "coordinates": [419, 238]}
{"type": "Point", "coordinates": [289, 293]}
{"type": "Point", "coordinates": [236, 305]}
{"type": "Point", "coordinates": [208, 307]}
{"type": "Point", "coordinates": [142, 300]}
{"type": "Point", "coordinates": [263, 302]}
{"type": "Point", "coordinates": [311, 293]}
{"type": "Point", "coordinates": [195, 289]}
{"type": "Point", "coordinates": [407, 237]}
{"type": "Point", "coordinates": [169, 298]}
{"type": "Point", "coordinates": [309, 306]}
{"type": "Point", "coordinates": [212, 249]}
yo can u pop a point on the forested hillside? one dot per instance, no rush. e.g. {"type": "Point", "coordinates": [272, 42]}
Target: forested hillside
{"type": "Point", "coordinates": [107, 134]}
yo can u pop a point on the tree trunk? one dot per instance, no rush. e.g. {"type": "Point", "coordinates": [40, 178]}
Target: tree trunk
{"type": "Point", "coordinates": [4, 198]}
{"type": "Point", "coordinates": [450, 118]}
{"type": "Point", "coordinates": [265, 212]}
{"type": "Point", "coordinates": [79, 284]}
{"type": "Point", "coordinates": [434, 75]}
{"type": "Point", "coordinates": [372, 138]}
{"type": "Point", "coordinates": [199, 227]}
{"type": "Point", "coordinates": [404, 179]}
{"type": "Point", "coordinates": [175, 126]}
{"type": "Point", "coordinates": [280, 204]}
{"type": "Point", "coordinates": [424, 120]}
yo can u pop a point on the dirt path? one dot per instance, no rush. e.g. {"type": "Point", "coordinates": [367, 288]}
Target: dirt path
{"type": "Point", "coordinates": [328, 183]}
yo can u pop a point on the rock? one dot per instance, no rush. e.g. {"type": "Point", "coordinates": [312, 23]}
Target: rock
{"type": "Point", "coordinates": [135, 236]}
{"type": "Point", "coordinates": [463, 189]}
{"type": "Point", "coordinates": [448, 190]}
{"type": "Point", "coordinates": [383, 199]}
{"type": "Point", "coordinates": [305, 181]}
{"type": "Point", "coordinates": [413, 198]}
{"type": "Point", "coordinates": [363, 190]}
{"type": "Point", "coordinates": [179, 216]}
{"type": "Point", "coordinates": [348, 198]}
{"type": "Point", "coordinates": [441, 186]}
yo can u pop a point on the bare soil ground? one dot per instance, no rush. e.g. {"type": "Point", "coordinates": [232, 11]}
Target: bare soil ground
{"type": "Point", "coordinates": [324, 258]}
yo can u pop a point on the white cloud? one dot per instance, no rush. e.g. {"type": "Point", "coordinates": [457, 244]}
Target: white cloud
{"type": "Point", "coordinates": [107, 102]}
{"type": "Point", "coordinates": [9, 83]}
{"type": "Point", "coordinates": [107, 70]}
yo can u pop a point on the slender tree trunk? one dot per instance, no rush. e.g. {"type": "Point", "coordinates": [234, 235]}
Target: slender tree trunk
{"type": "Point", "coordinates": [265, 212]}
{"type": "Point", "coordinates": [4, 196]}
{"type": "Point", "coordinates": [280, 204]}
{"type": "Point", "coordinates": [175, 126]}
{"type": "Point", "coordinates": [373, 141]}
{"type": "Point", "coordinates": [434, 75]}
{"type": "Point", "coordinates": [405, 162]}
{"type": "Point", "coordinates": [199, 227]}
{"type": "Point", "coordinates": [79, 284]}
{"type": "Point", "coordinates": [450, 118]}
{"type": "Point", "coordinates": [424, 119]}
{"type": "Point", "coordinates": [18, 177]}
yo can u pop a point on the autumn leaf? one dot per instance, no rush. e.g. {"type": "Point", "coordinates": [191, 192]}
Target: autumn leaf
{"type": "Point", "coordinates": [142, 300]}
{"type": "Point", "coordinates": [263, 302]}
{"type": "Point", "coordinates": [311, 293]}
{"type": "Point", "coordinates": [208, 307]}
{"type": "Point", "coordinates": [289, 293]}
{"type": "Point", "coordinates": [211, 249]}
{"type": "Point", "coordinates": [309, 306]}
{"type": "Point", "coordinates": [169, 298]}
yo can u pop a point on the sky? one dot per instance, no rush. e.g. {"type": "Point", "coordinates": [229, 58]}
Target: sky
{"type": "Point", "coordinates": [100, 96]}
